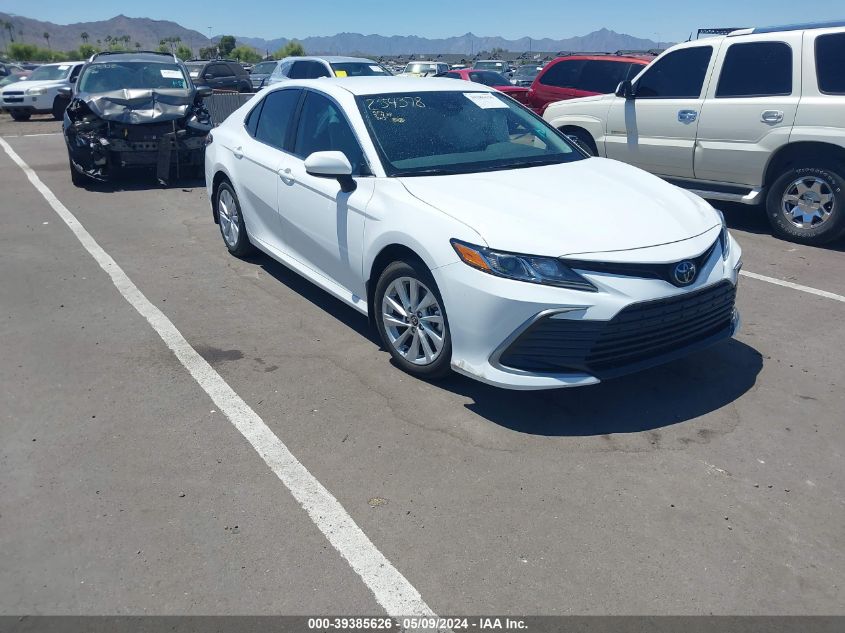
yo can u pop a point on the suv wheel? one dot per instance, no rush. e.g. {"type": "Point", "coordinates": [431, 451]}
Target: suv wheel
{"type": "Point", "coordinates": [806, 204]}
{"type": "Point", "coordinates": [411, 320]}
{"type": "Point", "coordinates": [20, 115]}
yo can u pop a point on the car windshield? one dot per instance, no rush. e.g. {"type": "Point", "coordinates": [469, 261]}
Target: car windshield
{"type": "Point", "coordinates": [111, 76]}
{"type": "Point", "coordinates": [48, 73]}
{"type": "Point", "coordinates": [358, 69]}
{"type": "Point", "coordinates": [500, 66]}
{"type": "Point", "coordinates": [420, 68]}
{"type": "Point", "coordinates": [526, 72]}
{"type": "Point", "coordinates": [264, 68]}
{"type": "Point", "coordinates": [455, 132]}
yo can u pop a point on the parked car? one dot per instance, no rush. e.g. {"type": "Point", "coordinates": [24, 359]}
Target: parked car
{"type": "Point", "coordinates": [574, 76]}
{"type": "Point", "coordinates": [754, 116]}
{"type": "Point", "coordinates": [9, 68]}
{"type": "Point", "coordinates": [134, 110]}
{"type": "Point", "coordinates": [424, 69]}
{"type": "Point", "coordinates": [489, 78]}
{"type": "Point", "coordinates": [40, 92]}
{"type": "Point", "coordinates": [455, 219]}
{"type": "Point", "coordinates": [21, 75]}
{"type": "Point", "coordinates": [332, 66]}
{"type": "Point", "coordinates": [220, 74]}
{"type": "Point", "coordinates": [496, 65]}
{"type": "Point", "coordinates": [261, 72]}
{"type": "Point", "coordinates": [525, 74]}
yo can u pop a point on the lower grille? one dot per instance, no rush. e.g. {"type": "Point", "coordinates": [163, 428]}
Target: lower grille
{"type": "Point", "coordinates": [641, 335]}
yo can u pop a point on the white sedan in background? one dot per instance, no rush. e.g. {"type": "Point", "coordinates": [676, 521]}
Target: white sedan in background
{"type": "Point", "coordinates": [475, 236]}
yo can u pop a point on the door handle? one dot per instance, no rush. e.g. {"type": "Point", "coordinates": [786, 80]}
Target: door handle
{"type": "Point", "coordinates": [771, 116]}
{"type": "Point", "coordinates": [238, 152]}
{"type": "Point", "coordinates": [287, 176]}
{"type": "Point", "coordinates": [687, 116]}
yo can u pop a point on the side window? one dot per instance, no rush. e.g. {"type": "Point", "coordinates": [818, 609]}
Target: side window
{"type": "Point", "coordinates": [318, 70]}
{"type": "Point", "coordinates": [75, 72]}
{"type": "Point", "coordinates": [452, 75]}
{"type": "Point", "coordinates": [251, 121]}
{"type": "Point", "coordinates": [236, 69]}
{"type": "Point", "coordinates": [830, 51]}
{"type": "Point", "coordinates": [602, 76]}
{"type": "Point", "coordinates": [223, 70]}
{"type": "Point", "coordinates": [322, 128]}
{"type": "Point", "coordinates": [275, 117]}
{"type": "Point", "coordinates": [563, 74]}
{"type": "Point", "coordinates": [678, 75]}
{"type": "Point", "coordinates": [756, 69]}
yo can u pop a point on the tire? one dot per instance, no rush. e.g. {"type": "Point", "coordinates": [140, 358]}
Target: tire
{"type": "Point", "coordinates": [59, 107]}
{"type": "Point", "coordinates": [585, 140]}
{"type": "Point", "coordinates": [422, 331]}
{"type": "Point", "coordinates": [19, 115]}
{"type": "Point", "coordinates": [231, 221]}
{"type": "Point", "coordinates": [820, 190]}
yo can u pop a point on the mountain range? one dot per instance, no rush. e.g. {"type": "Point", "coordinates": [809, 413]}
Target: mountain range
{"type": "Point", "coordinates": [148, 33]}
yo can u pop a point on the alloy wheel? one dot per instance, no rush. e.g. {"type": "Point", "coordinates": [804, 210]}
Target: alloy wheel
{"type": "Point", "coordinates": [227, 211]}
{"type": "Point", "coordinates": [808, 202]}
{"type": "Point", "coordinates": [413, 320]}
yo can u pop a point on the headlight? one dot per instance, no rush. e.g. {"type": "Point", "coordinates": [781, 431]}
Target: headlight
{"type": "Point", "coordinates": [34, 92]}
{"type": "Point", "coordinates": [724, 237]}
{"type": "Point", "coordinates": [548, 271]}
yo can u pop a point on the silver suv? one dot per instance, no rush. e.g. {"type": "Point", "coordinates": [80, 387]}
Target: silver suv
{"type": "Point", "coordinates": [315, 67]}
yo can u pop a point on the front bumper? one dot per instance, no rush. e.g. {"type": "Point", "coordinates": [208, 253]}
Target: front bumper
{"type": "Point", "coordinates": [519, 335]}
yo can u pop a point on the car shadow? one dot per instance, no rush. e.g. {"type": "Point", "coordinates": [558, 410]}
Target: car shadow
{"type": "Point", "coordinates": [663, 396]}
{"type": "Point", "coordinates": [752, 219]}
{"type": "Point", "coordinates": [141, 180]}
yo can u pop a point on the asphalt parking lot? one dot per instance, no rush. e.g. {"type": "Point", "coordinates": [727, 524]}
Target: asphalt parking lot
{"type": "Point", "coordinates": [710, 485]}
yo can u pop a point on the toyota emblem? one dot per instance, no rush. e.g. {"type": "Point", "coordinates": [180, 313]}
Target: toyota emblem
{"type": "Point", "coordinates": [684, 273]}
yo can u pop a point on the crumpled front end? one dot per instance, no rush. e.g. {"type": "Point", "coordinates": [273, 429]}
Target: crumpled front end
{"type": "Point", "coordinates": [109, 132]}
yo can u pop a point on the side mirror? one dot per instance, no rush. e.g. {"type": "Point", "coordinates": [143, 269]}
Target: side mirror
{"type": "Point", "coordinates": [73, 80]}
{"type": "Point", "coordinates": [332, 165]}
{"type": "Point", "coordinates": [208, 76]}
{"type": "Point", "coordinates": [625, 89]}
{"type": "Point", "coordinates": [204, 91]}
{"type": "Point", "coordinates": [65, 92]}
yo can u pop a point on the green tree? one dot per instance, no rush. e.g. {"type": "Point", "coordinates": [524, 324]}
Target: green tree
{"type": "Point", "coordinates": [46, 37]}
{"type": "Point", "coordinates": [85, 51]}
{"type": "Point", "coordinates": [25, 52]}
{"type": "Point", "coordinates": [209, 52]}
{"type": "Point", "coordinates": [11, 28]}
{"type": "Point", "coordinates": [291, 49]}
{"type": "Point", "coordinates": [246, 54]}
{"type": "Point", "coordinates": [226, 45]}
{"type": "Point", "coordinates": [84, 35]}
{"type": "Point", "coordinates": [183, 52]}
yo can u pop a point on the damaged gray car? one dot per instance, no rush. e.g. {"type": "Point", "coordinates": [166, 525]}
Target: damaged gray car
{"type": "Point", "coordinates": [131, 110]}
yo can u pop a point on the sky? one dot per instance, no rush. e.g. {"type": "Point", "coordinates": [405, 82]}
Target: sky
{"type": "Point", "coordinates": [663, 20]}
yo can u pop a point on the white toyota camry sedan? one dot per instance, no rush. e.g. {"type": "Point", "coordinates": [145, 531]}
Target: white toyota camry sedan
{"type": "Point", "coordinates": [475, 236]}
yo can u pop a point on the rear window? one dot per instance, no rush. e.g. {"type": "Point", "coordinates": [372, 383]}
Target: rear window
{"type": "Point", "coordinates": [358, 69]}
{"type": "Point", "coordinates": [264, 68]}
{"type": "Point", "coordinates": [830, 71]}
{"type": "Point", "coordinates": [756, 69]}
{"type": "Point", "coordinates": [563, 74]}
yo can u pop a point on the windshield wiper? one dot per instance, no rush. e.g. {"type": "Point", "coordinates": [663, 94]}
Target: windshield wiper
{"type": "Point", "coordinates": [435, 171]}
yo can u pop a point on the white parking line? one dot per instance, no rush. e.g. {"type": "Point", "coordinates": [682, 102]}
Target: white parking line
{"type": "Point", "coordinates": [789, 284]}
{"type": "Point", "coordinates": [391, 589]}
{"type": "Point", "coordinates": [30, 135]}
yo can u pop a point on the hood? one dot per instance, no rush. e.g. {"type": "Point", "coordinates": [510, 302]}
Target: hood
{"type": "Point", "coordinates": [43, 83]}
{"type": "Point", "coordinates": [140, 106]}
{"type": "Point", "coordinates": [594, 205]}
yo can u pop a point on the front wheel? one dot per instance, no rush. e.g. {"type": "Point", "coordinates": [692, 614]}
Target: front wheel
{"type": "Point", "coordinates": [806, 204]}
{"type": "Point", "coordinates": [20, 115]}
{"type": "Point", "coordinates": [411, 320]}
{"type": "Point", "coordinates": [231, 221]}
{"type": "Point", "coordinates": [59, 107]}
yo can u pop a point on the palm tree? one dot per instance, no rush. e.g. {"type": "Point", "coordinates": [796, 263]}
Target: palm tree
{"type": "Point", "coordinates": [138, 45]}
{"type": "Point", "coordinates": [46, 36]}
{"type": "Point", "coordinates": [11, 28]}
{"type": "Point", "coordinates": [84, 35]}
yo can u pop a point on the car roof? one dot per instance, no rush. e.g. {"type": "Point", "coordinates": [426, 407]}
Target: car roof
{"type": "Point", "coordinates": [332, 59]}
{"type": "Point", "coordinates": [143, 56]}
{"type": "Point", "coordinates": [607, 58]}
{"type": "Point", "coordinates": [62, 64]}
{"type": "Point", "coordinates": [378, 85]}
